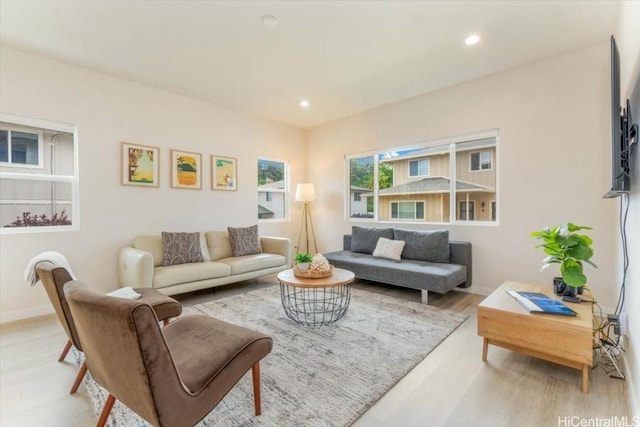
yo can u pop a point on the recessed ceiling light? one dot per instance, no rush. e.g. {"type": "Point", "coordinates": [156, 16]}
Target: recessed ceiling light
{"type": "Point", "coordinates": [304, 103]}
{"type": "Point", "coordinates": [269, 21]}
{"type": "Point", "coordinates": [472, 39]}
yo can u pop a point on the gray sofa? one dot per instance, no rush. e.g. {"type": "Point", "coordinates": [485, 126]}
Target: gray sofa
{"type": "Point", "coordinates": [429, 261]}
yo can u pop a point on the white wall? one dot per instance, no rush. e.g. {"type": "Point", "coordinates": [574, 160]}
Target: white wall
{"type": "Point", "coordinates": [628, 40]}
{"type": "Point", "coordinates": [554, 151]}
{"type": "Point", "coordinates": [107, 111]}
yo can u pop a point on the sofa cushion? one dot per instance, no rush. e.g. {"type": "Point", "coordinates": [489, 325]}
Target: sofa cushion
{"type": "Point", "coordinates": [244, 240]}
{"type": "Point", "coordinates": [164, 276]}
{"type": "Point", "coordinates": [180, 248]}
{"type": "Point", "coordinates": [246, 263]}
{"type": "Point", "coordinates": [218, 244]}
{"type": "Point", "coordinates": [432, 246]}
{"type": "Point", "coordinates": [365, 239]}
{"type": "Point", "coordinates": [153, 245]}
{"type": "Point", "coordinates": [391, 249]}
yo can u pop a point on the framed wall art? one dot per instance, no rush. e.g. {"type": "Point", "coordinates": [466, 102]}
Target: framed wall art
{"type": "Point", "coordinates": [224, 173]}
{"type": "Point", "coordinates": [186, 170]}
{"type": "Point", "coordinates": [139, 165]}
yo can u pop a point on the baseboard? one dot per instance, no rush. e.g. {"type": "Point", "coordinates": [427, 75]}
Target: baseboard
{"type": "Point", "coordinates": [633, 393]}
{"type": "Point", "coordinates": [479, 290]}
{"type": "Point", "coordinates": [12, 316]}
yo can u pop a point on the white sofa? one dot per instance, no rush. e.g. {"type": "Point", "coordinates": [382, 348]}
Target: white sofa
{"type": "Point", "coordinates": [140, 265]}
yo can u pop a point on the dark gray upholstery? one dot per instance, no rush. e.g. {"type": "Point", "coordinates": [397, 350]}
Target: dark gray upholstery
{"type": "Point", "coordinates": [365, 239]}
{"type": "Point", "coordinates": [415, 274]}
{"type": "Point", "coordinates": [422, 245]}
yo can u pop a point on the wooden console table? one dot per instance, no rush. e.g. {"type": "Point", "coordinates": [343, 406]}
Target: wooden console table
{"type": "Point", "coordinates": [564, 340]}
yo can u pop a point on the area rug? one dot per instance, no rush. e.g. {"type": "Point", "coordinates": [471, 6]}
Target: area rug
{"type": "Point", "coordinates": [316, 376]}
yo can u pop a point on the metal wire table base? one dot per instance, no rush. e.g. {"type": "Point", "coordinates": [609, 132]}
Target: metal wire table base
{"type": "Point", "coordinates": [315, 306]}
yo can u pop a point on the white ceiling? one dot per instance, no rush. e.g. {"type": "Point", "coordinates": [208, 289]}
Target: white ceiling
{"type": "Point", "coordinates": [345, 57]}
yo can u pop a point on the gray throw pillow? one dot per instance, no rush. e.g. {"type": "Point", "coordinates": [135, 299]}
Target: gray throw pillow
{"type": "Point", "coordinates": [244, 240]}
{"type": "Point", "coordinates": [180, 248]}
{"type": "Point", "coordinates": [365, 239]}
{"type": "Point", "coordinates": [430, 246]}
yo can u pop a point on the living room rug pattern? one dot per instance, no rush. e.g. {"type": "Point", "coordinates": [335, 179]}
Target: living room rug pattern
{"type": "Point", "coordinates": [316, 376]}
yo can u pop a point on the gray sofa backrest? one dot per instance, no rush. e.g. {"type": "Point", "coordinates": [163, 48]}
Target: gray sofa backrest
{"type": "Point", "coordinates": [459, 253]}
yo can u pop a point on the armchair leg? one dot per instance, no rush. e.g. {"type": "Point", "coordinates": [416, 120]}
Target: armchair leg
{"type": "Point", "coordinates": [65, 351]}
{"type": "Point", "coordinates": [255, 370]}
{"type": "Point", "coordinates": [79, 377]}
{"type": "Point", "coordinates": [104, 415]}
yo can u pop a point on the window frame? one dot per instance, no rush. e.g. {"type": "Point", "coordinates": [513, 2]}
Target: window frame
{"type": "Point", "coordinates": [23, 129]}
{"type": "Point", "coordinates": [455, 148]}
{"type": "Point", "coordinates": [426, 161]}
{"type": "Point", "coordinates": [414, 202]}
{"type": "Point", "coordinates": [20, 121]}
{"type": "Point", "coordinates": [479, 153]}
{"type": "Point", "coordinates": [284, 190]}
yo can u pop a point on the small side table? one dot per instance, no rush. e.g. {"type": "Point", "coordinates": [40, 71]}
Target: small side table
{"type": "Point", "coordinates": [316, 302]}
{"type": "Point", "coordinates": [563, 340]}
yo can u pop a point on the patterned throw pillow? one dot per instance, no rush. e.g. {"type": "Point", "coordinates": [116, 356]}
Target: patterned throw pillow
{"type": "Point", "coordinates": [244, 240]}
{"type": "Point", "coordinates": [391, 249]}
{"type": "Point", "coordinates": [180, 248]}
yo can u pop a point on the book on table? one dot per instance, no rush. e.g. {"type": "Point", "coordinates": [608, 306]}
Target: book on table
{"type": "Point", "coordinates": [536, 302]}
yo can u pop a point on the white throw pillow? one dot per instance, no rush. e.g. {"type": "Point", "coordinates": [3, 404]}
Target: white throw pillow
{"type": "Point", "coordinates": [387, 248]}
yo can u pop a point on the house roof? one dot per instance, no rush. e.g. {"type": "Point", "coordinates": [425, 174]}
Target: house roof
{"type": "Point", "coordinates": [262, 210]}
{"type": "Point", "coordinates": [275, 184]}
{"type": "Point", "coordinates": [438, 150]}
{"type": "Point", "coordinates": [437, 184]}
{"type": "Point", "coordinates": [356, 188]}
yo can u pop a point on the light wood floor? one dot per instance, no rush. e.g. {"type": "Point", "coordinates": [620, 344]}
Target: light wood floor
{"type": "Point", "coordinates": [451, 387]}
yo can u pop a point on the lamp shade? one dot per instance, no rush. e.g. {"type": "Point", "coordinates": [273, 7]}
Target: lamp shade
{"type": "Point", "coordinates": [305, 193]}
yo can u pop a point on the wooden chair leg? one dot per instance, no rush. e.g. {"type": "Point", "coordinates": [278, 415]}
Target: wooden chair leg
{"type": "Point", "coordinates": [255, 370]}
{"type": "Point", "coordinates": [65, 351]}
{"type": "Point", "coordinates": [165, 322]}
{"type": "Point", "coordinates": [106, 411]}
{"type": "Point", "coordinates": [79, 377]}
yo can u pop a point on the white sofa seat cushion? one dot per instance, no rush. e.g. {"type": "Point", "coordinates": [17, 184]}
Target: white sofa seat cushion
{"type": "Point", "coordinates": [183, 273]}
{"type": "Point", "coordinates": [246, 263]}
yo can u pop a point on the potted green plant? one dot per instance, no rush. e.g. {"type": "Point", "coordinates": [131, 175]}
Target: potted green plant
{"type": "Point", "coordinates": [570, 249]}
{"type": "Point", "coordinates": [303, 260]}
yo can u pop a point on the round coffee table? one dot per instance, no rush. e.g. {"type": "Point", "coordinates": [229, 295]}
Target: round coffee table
{"type": "Point", "coordinates": [316, 302]}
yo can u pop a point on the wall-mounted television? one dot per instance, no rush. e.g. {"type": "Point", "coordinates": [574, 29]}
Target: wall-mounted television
{"type": "Point", "coordinates": [624, 133]}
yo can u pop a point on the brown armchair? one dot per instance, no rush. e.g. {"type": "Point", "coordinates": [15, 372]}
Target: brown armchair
{"type": "Point", "coordinates": [54, 278]}
{"type": "Point", "coordinates": [172, 376]}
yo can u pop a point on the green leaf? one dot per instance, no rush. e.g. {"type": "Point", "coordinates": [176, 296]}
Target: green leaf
{"type": "Point", "coordinates": [572, 274]}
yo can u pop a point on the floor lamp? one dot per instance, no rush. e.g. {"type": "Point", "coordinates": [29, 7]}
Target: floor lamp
{"type": "Point", "coordinates": [306, 193]}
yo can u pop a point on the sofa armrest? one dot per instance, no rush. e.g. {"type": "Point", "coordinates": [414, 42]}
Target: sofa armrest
{"type": "Point", "coordinates": [135, 268]}
{"type": "Point", "coordinates": [460, 253]}
{"type": "Point", "coordinates": [346, 242]}
{"type": "Point", "coordinates": [277, 245]}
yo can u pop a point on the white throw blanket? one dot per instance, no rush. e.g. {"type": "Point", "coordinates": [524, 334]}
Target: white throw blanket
{"type": "Point", "coordinates": [55, 258]}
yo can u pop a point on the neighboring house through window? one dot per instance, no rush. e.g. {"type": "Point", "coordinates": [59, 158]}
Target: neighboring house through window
{"type": "Point", "coordinates": [481, 160]}
{"type": "Point", "coordinates": [433, 182]}
{"type": "Point", "coordinates": [419, 167]}
{"type": "Point", "coordinates": [407, 210]}
{"type": "Point", "coordinates": [272, 189]}
{"type": "Point", "coordinates": [38, 175]}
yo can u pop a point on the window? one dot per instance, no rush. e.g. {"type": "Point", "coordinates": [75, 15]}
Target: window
{"type": "Point", "coordinates": [273, 183]}
{"type": "Point", "coordinates": [466, 211]}
{"type": "Point", "coordinates": [20, 146]}
{"type": "Point", "coordinates": [38, 188]}
{"type": "Point", "coordinates": [481, 160]}
{"type": "Point", "coordinates": [407, 210]}
{"type": "Point", "coordinates": [431, 182]}
{"type": "Point", "coordinates": [419, 167]}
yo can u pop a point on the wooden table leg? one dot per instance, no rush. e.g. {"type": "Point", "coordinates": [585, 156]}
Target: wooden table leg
{"type": "Point", "coordinates": [485, 346]}
{"type": "Point", "coordinates": [585, 379]}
